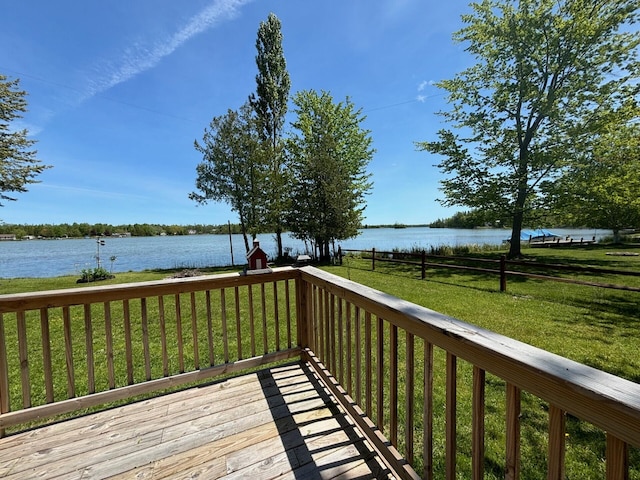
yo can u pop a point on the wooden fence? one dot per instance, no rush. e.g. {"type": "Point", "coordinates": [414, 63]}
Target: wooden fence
{"type": "Point", "coordinates": [461, 263]}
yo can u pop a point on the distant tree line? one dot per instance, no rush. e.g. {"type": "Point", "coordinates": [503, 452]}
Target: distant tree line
{"type": "Point", "coordinates": [470, 219]}
{"type": "Point", "coordinates": [81, 230]}
{"type": "Point", "coordinates": [536, 218]}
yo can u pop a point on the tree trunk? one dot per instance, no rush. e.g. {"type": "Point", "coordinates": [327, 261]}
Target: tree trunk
{"type": "Point", "coordinates": [515, 244]}
{"type": "Point", "coordinates": [279, 241]}
{"type": "Point", "coordinates": [616, 236]}
{"type": "Point", "coordinates": [243, 227]}
{"type": "Point", "coordinates": [515, 250]}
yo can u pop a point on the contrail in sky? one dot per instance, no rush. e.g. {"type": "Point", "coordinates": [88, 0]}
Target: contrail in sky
{"type": "Point", "coordinates": [139, 58]}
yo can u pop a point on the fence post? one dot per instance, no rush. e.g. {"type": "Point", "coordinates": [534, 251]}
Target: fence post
{"type": "Point", "coordinates": [424, 258]}
{"type": "Point", "coordinates": [503, 274]}
{"type": "Point", "coordinates": [373, 259]}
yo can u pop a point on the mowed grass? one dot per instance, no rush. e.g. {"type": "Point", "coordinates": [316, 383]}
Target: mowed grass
{"type": "Point", "coordinates": [594, 326]}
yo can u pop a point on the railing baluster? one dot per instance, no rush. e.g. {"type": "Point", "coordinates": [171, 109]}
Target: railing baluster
{"type": "Point", "coordinates": [276, 316]}
{"type": "Point", "coordinates": [368, 369]}
{"type": "Point", "coordinates": [88, 335]}
{"type": "Point", "coordinates": [340, 344]}
{"type": "Point", "coordinates": [320, 325]}
{"type": "Point", "coordinates": [236, 296]}
{"type": "Point", "coordinates": [349, 350]}
{"type": "Point", "coordinates": [252, 327]}
{"type": "Point", "coordinates": [4, 373]}
{"type": "Point", "coordinates": [332, 330]}
{"type": "Point", "coordinates": [427, 411]}
{"type": "Point", "coordinates": [263, 309]}
{"type": "Point", "coordinates": [358, 357]}
{"type": "Point", "coordinates": [145, 338]}
{"type": "Point", "coordinates": [225, 330]}
{"type": "Point", "coordinates": [477, 439]}
{"type": "Point", "coordinates": [557, 429]}
{"type": "Point", "coordinates": [450, 414]}
{"type": "Point", "coordinates": [326, 323]}
{"type": "Point", "coordinates": [194, 331]}
{"type": "Point", "coordinates": [179, 333]}
{"type": "Point", "coordinates": [287, 300]}
{"type": "Point", "coordinates": [209, 314]}
{"type": "Point", "coordinates": [127, 340]}
{"type": "Point", "coordinates": [163, 336]}
{"type": "Point", "coordinates": [304, 320]}
{"type": "Point", "coordinates": [513, 433]}
{"type": "Point", "coordinates": [409, 395]}
{"type": "Point", "coordinates": [380, 374]}
{"type": "Point", "coordinates": [617, 459]}
{"type": "Point", "coordinates": [68, 349]}
{"type": "Point", "coordinates": [108, 332]}
{"type": "Point", "coordinates": [393, 384]}
{"type": "Point", "coordinates": [24, 359]}
{"type": "Point", "coordinates": [46, 353]}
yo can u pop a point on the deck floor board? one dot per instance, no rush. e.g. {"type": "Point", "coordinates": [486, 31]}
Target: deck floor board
{"type": "Point", "coordinates": [280, 422]}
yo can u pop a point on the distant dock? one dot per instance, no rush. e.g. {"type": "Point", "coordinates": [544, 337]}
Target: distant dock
{"type": "Point", "coordinates": [561, 242]}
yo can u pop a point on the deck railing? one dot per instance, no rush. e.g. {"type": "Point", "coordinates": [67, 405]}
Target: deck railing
{"type": "Point", "coordinates": [420, 384]}
{"type": "Point", "coordinates": [67, 350]}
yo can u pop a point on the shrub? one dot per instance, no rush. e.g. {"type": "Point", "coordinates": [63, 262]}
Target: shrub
{"type": "Point", "coordinates": [94, 275]}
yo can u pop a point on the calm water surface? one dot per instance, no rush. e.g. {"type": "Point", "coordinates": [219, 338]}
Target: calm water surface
{"type": "Point", "coordinates": [50, 258]}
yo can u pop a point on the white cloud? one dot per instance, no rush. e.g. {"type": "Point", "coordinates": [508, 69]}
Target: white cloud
{"type": "Point", "coordinates": [421, 98]}
{"type": "Point", "coordinates": [424, 84]}
{"type": "Point", "coordinates": [139, 58]}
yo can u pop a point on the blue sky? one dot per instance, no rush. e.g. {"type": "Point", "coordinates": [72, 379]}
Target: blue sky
{"type": "Point", "coordinates": [119, 91]}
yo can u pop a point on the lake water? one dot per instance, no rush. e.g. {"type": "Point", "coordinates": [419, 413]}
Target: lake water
{"type": "Point", "coordinates": [50, 258]}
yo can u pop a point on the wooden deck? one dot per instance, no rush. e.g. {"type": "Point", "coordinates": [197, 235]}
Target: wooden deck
{"type": "Point", "coordinates": [280, 422]}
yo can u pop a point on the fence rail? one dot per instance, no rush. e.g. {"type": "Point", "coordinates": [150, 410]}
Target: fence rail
{"type": "Point", "coordinates": [440, 261]}
{"type": "Point", "coordinates": [410, 377]}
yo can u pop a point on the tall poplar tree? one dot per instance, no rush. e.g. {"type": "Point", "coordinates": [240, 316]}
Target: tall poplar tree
{"type": "Point", "coordinates": [270, 105]}
{"type": "Point", "coordinates": [19, 166]}
{"type": "Point", "coordinates": [547, 77]}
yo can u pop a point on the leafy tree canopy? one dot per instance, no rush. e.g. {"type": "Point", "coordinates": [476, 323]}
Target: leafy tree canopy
{"type": "Point", "coordinates": [233, 169]}
{"type": "Point", "coordinates": [602, 189]}
{"type": "Point", "coordinates": [328, 155]}
{"type": "Point", "coordinates": [19, 166]}
{"type": "Point", "coordinates": [548, 75]}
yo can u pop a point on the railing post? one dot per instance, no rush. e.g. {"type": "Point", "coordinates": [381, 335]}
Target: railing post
{"type": "Point", "coordinates": [503, 273]}
{"type": "Point", "coordinates": [424, 259]}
